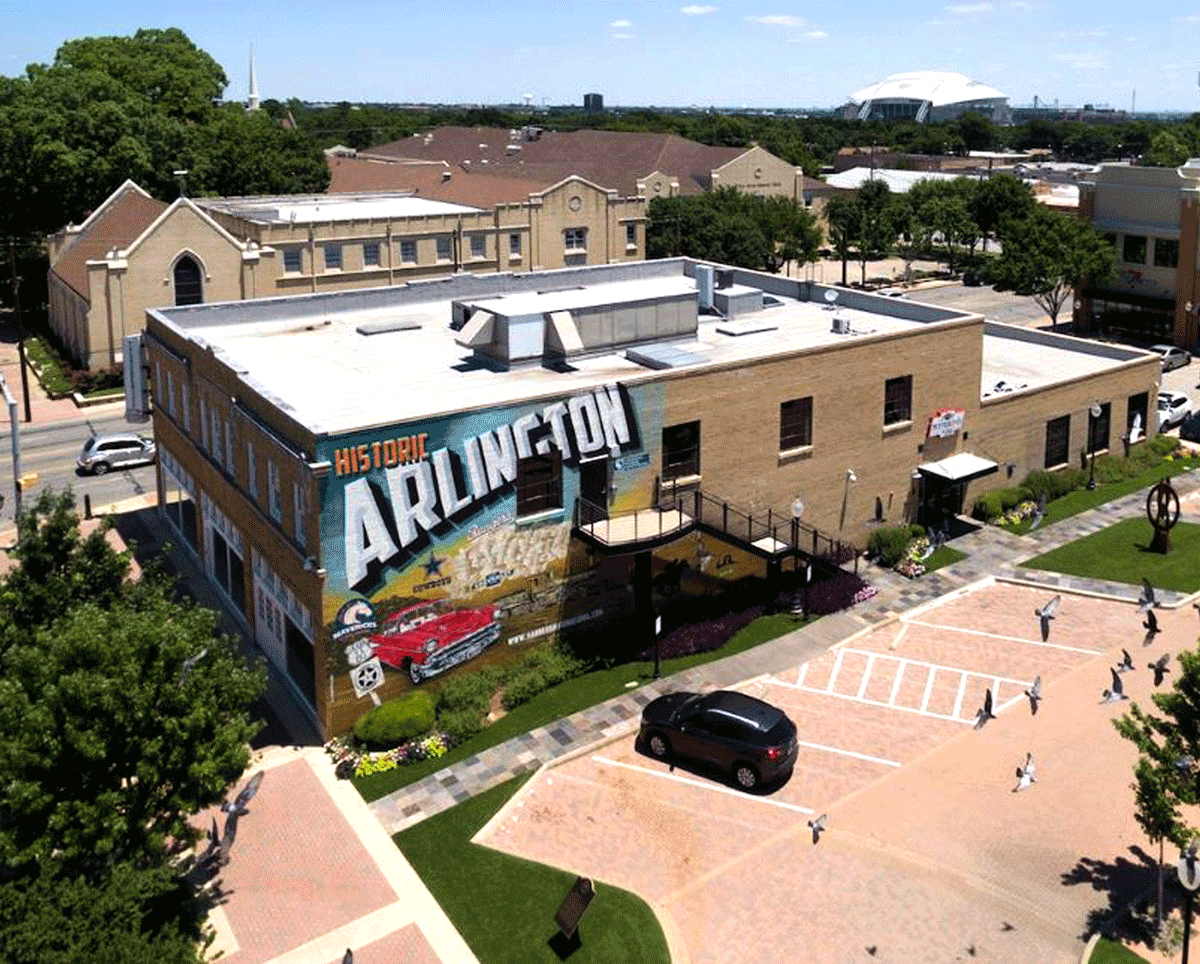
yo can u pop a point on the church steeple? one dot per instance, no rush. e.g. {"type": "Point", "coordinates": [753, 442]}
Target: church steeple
{"type": "Point", "coordinates": [252, 100]}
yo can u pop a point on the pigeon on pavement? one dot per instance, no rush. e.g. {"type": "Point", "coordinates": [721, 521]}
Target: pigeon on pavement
{"type": "Point", "coordinates": [818, 826]}
{"type": "Point", "coordinates": [985, 712]}
{"type": "Point", "coordinates": [1117, 693]}
{"type": "Point", "coordinates": [1035, 695]}
{"type": "Point", "coordinates": [1161, 667]}
{"type": "Point", "coordinates": [348, 957]}
{"type": "Point", "coordinates": [1045, 614]}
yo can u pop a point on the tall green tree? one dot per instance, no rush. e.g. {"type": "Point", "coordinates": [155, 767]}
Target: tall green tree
{"type": "Point", "coordinates": [878, 223]}
{"type": "Point", "coordinates": [996, 198]}
{"type": "Point", "coordinates": [941, 211]}
{"type": "Point", "coordinates": [104, 751]}
{"type": "Point", "coordinates": [843, 218]}
{"type": "Point", "coordinates": [1046, 255]}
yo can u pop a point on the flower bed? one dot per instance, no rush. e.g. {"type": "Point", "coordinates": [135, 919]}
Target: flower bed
{"type": "Point", "coordinates": [349, 760]}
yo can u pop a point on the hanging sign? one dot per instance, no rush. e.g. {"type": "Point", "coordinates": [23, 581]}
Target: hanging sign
{"type": "Point", "coordinates": [946, 422]}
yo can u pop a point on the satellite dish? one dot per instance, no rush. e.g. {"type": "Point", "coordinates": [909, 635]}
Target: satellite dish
{"type": "Point", "coordinates": [831, 296]}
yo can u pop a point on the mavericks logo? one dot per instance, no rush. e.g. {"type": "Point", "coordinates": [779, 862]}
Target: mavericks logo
{"type": "Point", "coordinates": [357, 615]}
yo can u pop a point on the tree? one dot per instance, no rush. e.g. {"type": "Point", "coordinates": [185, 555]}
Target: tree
{"type": "Point", "coordinates": [996, 198]}
{"type": "Point", "coordinates": [790, 229]}
{"type": "Point", "coordinates": [940, 209]}
{"type": "Point", "coordinates": [1046, 255]}
{"type": "Point", "coordinates": [843, 216]}
{"type": "Point", "coordinates": [103, 752]}
{"type": "Point", "coordinates": [1166, 150]}
{"type": "Point", "coordinates": [878, 224]}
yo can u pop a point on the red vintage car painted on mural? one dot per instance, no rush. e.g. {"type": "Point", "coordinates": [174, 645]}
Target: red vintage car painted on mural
{"type": "Point", "coordinates": [428, 638]}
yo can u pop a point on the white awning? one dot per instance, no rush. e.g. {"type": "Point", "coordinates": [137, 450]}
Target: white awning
{"type": "Point", "coordinates": [959, 468]}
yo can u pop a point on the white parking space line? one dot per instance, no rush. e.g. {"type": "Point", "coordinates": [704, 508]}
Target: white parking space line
{"type": "Point", "coordinates": [849, 753]}
{"type": "Point", "coordinates": [837, 665]}
{"type": "Point", "coordinates": [870, 702]}
{"type": "Point", "coordinates": [928, 688]}
{"type": "Point", "coordinates": [1011, 639]}
{"type": "Point", "coordinates": [896, 682]}
{"type": "Point", "coordinates": [962, 688]}
{"type": "Point", "coordinates": [800, 676]}
{"type": "Point", "coordinates": [700, 783]}
{"type": "Point", "coordinates": [862, 689]}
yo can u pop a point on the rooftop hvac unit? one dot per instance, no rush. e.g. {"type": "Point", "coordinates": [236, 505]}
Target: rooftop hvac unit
{"type": "Point", "coordinates": [841, 325]}
{"type": "Point", "coordinates": [724, 278]}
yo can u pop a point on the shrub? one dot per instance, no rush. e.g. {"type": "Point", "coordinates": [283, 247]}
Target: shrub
{"type": "Point", "coordinates": [1067, 480]}
{"type": "Point", "coordinates": [887, 544]}
{"type": "Point", "coordinates": [522, 687]}
{"type": "Point", "coordinates": [468, 691]}
{"type": "Point", "coordinates": [702, 636]}
{"type": "Point", "coordinates": [396, 720]}
{"type": "Point", "coordinates": [461, 724]}
{"type": "Point", "coordinates": [1011, 498]}
{"type": "Point", "coordinates": [987, 507]}
{"type": "Point", "coordinates": [840, 591]}
{"type": "Point", "coordinates": [916, 530]}
{"type": "Point", "coordinates": [1162, 445]}
{"type": "Point", "coordinates": [554, 664]}
{"type": "Point", "coordinates": [1040, 483]}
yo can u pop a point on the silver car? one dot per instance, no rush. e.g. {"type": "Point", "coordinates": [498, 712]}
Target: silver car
{"type": "Point", "coordinates": [104, 452]}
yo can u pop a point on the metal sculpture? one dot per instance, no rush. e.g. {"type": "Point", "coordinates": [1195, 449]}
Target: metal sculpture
{"type": "Point", "coordinates": [1162, 509]}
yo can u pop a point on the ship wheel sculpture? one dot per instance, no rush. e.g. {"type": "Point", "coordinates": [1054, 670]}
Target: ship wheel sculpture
{"type": "Point", "coordinates": [1162, 509]}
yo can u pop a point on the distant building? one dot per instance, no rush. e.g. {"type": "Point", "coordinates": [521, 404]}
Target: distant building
{"type": "Point", "coordinates": [135, 252]}
{"type": "Point", "coordinates": [927, 96]}
{"type": "Point", "coordinates": [1152, 217]}
{"type": "Point", "coordinates": [593, 103]}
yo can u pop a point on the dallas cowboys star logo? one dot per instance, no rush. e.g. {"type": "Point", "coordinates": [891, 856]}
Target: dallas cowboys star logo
{"type": "Point", "coordinates": [434, 566]}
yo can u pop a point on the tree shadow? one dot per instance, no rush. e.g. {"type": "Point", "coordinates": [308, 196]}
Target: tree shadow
{"type": "Point", "coordinates": [1131, 887]}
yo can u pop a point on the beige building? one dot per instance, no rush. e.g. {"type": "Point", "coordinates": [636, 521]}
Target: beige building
{"type": "Point", "coordinates": [572, 446]}
{"type": "Point", "coordinates": [1151, 215]}
{"type": "Point", "coordinates": [135, 253]}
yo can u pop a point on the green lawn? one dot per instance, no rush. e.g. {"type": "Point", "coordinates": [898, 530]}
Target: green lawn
{"type": "Point", "coordinates": [53, 376]}
{"type": "Point", "coordinates": [1081, 499]}
{"type": "Point", "coordinates": [1111, 952]}
{"type": "Point", "coordinates": [567, 698]}
{"type": "Point", "coordinates": [943, 556]}
{"type": "Point", "coordinates": [504, 906]}
{"type": "Point", "coordinates": [1121, 553]}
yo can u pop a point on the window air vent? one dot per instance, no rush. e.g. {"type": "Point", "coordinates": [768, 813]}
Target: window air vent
{"type": "Point", "coordinates": [383, 327]}
{"type": "Point", "coordinates": [659, 357]}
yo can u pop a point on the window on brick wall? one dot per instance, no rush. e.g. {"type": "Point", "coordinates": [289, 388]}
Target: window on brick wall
{"type": "Point", "coordinates": [680, 451]}
{"type": "Point", "coordinates": [204, 425]}
{"type": "Point", "coordinates": [299, 513]}
{"type": "Point", "coordinates": [273, 498]}
{"type": "Point", "coordinates": [408, 252]}
{"type": "Point", "coordinates": [1135, 415]}
{"type": "Point", "coordinates": [229, 463]}
{"type": "Point", "coordinates": [795, 423]}
{"type": "Point", "coordinates": [251, 470]}
{"type": "Point", "coordinates": [170, 399]}
{"type": "Point", "coordinates": [371, 254]}
{"type": "Point", "coordinates": [897, 400]}
{"type": "Point", "coordinates": [186, 404]}
{"type": "Point", "coordinates": [1058, 438]}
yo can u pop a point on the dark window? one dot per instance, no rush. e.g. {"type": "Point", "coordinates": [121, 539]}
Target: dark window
{"type": "Point", "coordinates": [1058, 436]}
{"type": "Point", "coordinates": [371, 254]}
{"type": "Point", "coordinates": [301, 665]}
{"type": "Point", "coordinates": [1139, 405]}
{"type": "Point", "coordinates": [897, 400]}
{"type": "Point", "coordinates": [228, 570]}
{"type": "Point", "coordinates": [1134, 249]}
{"type": "Point", "coordinates": [292, 260]}
{"type": "Point", "coordinates": [539, 483]}
{"type": "Point", "coordinates": [188, 289]}
{"type": "Point", "coordinates": [220, 559]}
{"type": "Point", "coordinates": [681, 451]}
{"type": "Point", "coordinates": [1099, 429]}
{"type": "Point", "coordinates": [795, 423]}
{"type": "Point", "coordinates": [1166, 253]}
{"type": "Point", "coordinates": [333, 257]}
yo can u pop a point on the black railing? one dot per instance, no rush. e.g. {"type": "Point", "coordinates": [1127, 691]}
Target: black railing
{"type": "Point", "coordinates": [650, 523]}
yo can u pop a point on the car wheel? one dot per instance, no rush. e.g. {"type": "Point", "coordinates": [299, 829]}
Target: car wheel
{"type": "Point", "coordinates": [746, 776]}
{"type": "Point", "coordinates": [660, 748]}
{"type": "Point", "coordinates": [415, 673]}
{"type": "Point", "coordinates": [100, 468]}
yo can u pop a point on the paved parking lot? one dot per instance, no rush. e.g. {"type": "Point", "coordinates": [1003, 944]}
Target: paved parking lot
{"type": "Point", "coordinates": [929, 855]}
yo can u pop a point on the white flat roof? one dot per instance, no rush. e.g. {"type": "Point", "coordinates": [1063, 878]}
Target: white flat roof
{"type": "Point", "coordinates": [587, 296]}
{"type": "Point", "coordinates": [1023, 359]}
{"type": "Point", "coordinates": [312, 360]}
{"type": "Point", "coordinates": [331, 207]}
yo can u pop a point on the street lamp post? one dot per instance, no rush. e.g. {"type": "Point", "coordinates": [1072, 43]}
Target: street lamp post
{"type": "Point", "coordinates": [1093, 413]}
{"type": "Point", "coordinates": [1189, 877]}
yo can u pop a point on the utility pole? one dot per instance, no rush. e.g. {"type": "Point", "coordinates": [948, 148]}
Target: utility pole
{"type": "Point", "coordinates": [16, 287]}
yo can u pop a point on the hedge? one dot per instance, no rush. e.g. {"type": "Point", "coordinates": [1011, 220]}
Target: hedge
{"type": "Point", "coordinates": [396, 720]}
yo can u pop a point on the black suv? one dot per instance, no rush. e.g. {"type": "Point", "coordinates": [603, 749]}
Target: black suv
{"type": "Point", "coordinates": [751, 739]}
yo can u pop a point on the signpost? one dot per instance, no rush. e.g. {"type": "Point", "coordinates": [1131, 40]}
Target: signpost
{"type": "Point", "coordinates": [572, 908]}
{"type": "Point", "coordinates": [1189, 877]}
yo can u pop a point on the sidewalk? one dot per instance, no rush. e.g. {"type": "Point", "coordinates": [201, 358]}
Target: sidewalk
{"type": "Point", "coordinates": [990, 552]}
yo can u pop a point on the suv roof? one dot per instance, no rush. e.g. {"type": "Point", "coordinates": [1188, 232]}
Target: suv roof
{"type": "Point", "coordinates": [116, 437]}
{"type": "Point", "coordinates": [753, 712]}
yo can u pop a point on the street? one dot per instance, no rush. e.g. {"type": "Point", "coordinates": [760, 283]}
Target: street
{"type": "Point", "coordinates": [50, 450]}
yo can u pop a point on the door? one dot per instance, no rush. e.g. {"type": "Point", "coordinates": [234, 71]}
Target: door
{"type": "Point", "coordinates": [593, 489]}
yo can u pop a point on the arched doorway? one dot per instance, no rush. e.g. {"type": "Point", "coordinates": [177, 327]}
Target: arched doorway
{"type": "Point", "coordinates": [189, 289]}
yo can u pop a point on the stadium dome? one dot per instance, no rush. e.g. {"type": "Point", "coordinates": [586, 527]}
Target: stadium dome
{"type": "Point", "coordinates": [927, 96]}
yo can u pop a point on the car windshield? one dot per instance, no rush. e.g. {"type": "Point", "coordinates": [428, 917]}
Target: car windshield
{"type": "Point", "coordinates": [686, 708]}
{"type": "Point", "coordinates": [89, 444]}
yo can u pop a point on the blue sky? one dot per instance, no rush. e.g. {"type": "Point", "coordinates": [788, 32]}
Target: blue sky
{"type": "Point", "coordinates": [645, 52]}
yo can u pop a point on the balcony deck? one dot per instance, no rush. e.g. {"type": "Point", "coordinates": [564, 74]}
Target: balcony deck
{"type": "Point", "coordinates": [637, 528]}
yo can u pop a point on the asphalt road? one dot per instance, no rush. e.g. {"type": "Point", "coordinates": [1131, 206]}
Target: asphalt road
{"type": "Point", "coordinates": [51, 450]}
{"type": "Point", "coordinates": [999, 306]}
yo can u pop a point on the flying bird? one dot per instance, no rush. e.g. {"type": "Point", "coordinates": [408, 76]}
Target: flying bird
{"type": "Point", "coordinates": [1126, 663]}
{"type": "Point", "coordinates": [189, 663]}
{"type": "Point", "coordinates": [1045, 614]}
{"type": "Point", "coordinates": [1038, 514]}
{"type": "Point", "coordinates": [214, 841]}
{"type": "Point", "coordinates": [1117, 693]}
{"type": "Point", "coordinates": [985, 712]}
{"type": "Point", "coordinates": [1035, 695]}
{"type": "Point", "coordinates": [348, 957]}
{"type": "Point", "coordinates": [1151, 626]}
{"type": "Point", "coordinates": [872, 949]}
{"type": "Point", "coordinates": [228, 837]}
{"type": "Point", "coordinates": [1026, 775]}
{"type": "Point", "coordinates": [239, 804]}
{"type": "Point", "coordinates": [1147, 600]}
{"type": "Point", "coordinates": [1184, 762]}
{"type": "Point", "coordinates": [818, 826]}
{"type": "Point", "coordinates": [1006, 926]}
{"type": "Point", "coordinates": [1160, 667]}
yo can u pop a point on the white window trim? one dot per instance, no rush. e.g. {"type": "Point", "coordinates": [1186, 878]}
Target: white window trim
{"type": "Point", "coordinates": [251, 470]}
{"type": "Point", "coordinates": [299, 510]}
{"type": "Point", "coordinates": [273, 494]}
{"type": "Point", "coordinates": [186, 400]}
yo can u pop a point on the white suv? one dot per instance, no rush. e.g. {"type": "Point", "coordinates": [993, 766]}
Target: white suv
{"type": "Point", "coordinates": [103, 452]}
{"type": "Point", "coordinates": [1173, 409]}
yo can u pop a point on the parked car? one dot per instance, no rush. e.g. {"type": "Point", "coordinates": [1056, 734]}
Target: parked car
{"type": "Point", "coordinates": [1173, 409]}
{"type": "Point", "coordinates": [104, 452]}
{"type": "Point", "coordinates": [427, 638]}
{"type": "Point", "coordinates": [1172, 356]}
{"type": "Point", "coordinates": [1189, 431]}
{"type": "Point", "coordinates": [753, 740]}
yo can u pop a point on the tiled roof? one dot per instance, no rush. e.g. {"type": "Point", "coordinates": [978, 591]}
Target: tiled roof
{"type": "Point", "coordinates": [612, 159]}
{"type": "Point", "coordinates": [120, 221]}
{"type": "Point", "coordinates": [352, 175]}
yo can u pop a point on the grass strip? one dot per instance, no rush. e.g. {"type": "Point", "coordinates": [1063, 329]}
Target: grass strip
{"type": "Point", "coordinates": [1113, 952]}
{"type": "Point", "coordinates": [570, 697]}
{"type": "Point", "coordinates": [1121, 553]}
{"type": "Point", "coordinates": [943, 556]}
{"type": "Point", "coordinates": [504, 906]}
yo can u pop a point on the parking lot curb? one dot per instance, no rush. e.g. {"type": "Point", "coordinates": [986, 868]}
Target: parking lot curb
{"type": "Point", "coordinates": [1089, 947]}
{"type": "Point", "coordinates": [1092, 593]}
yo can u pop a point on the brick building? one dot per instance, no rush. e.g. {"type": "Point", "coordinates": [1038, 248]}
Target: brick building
{"type": "Point", "coordinates": [445, 472]}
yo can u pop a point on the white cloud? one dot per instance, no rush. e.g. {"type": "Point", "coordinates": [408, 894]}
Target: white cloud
{"type": "Point", "coordinates": [620, 24]}
{"type": "Point", "coordinates": [1020, 5]}
{"type": "Point", "coordinates": [1085, 61]}
{"type": "Point", "coordinates": [622, 36]}
{"type": "Point", "coordinates": [966, 9]}
{"type": "Point", "coordinates": [779, 20]}
{"type": "Point", "coordinates": [816, 34]}
{"type": "Point", "coordinates": [1190, 18]}
{"type": "Point", "coordinates": [697, 9]}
